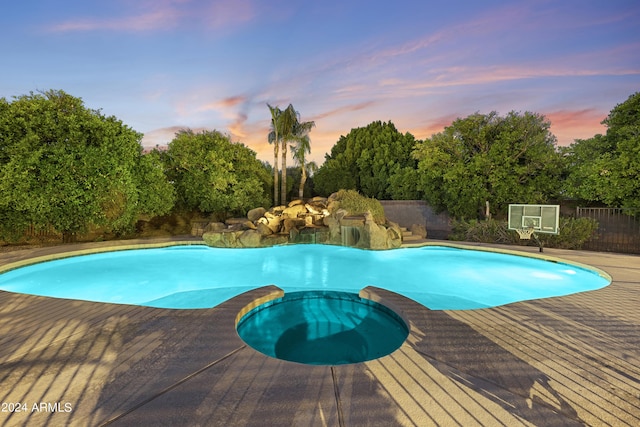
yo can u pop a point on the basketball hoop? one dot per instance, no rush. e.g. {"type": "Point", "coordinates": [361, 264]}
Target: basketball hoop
{"type": "Point", "coordinates": [525, 233]}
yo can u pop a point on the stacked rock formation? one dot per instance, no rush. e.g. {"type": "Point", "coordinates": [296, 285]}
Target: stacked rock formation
{"type": "Point", "coordinates": [317, 220]}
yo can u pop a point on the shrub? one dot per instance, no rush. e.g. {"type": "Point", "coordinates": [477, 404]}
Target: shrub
{"type": "Point", "coordinates": [357, 204]}
{"type": "Point", "coordinates": [574, 232]}
{"type": "Point", "coordinates": [490, 231]}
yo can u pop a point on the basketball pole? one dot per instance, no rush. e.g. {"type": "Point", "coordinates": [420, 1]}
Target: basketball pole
{"type": "Point", "coordinates": [540, 244]}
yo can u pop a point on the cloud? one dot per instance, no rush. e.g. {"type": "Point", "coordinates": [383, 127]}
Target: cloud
{"type": "Point", "coordinates": [433, 126]}
{"type": "Point", "coordinates": [237, 126]}
{"type": "Point", "coordinates": [162, 16]}
{"type": "Point", "coordinates": [345, 109]}
{"type": "Point", "coordinates": [569, 125]}
{"type": "Point", "coordinates": [162, 136]}
{"type": "Point", "coordinates": [223, 104]}
{"type": "Point", "coordinates": [166, 14]}
{"type": "Point", "coordinates": [228, 13]}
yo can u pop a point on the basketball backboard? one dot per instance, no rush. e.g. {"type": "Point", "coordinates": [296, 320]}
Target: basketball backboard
{"type": "Point", "coordinates": [542, 218]}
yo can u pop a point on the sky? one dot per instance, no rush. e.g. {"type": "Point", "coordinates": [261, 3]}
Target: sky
{"type": "Point", "coordinates": [165, 65]}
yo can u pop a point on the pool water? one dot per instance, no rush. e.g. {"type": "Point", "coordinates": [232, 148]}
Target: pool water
{"type": "Point", "coordinates": [199, 276]}
{"type": "Point", "coordinates": [323, 328]}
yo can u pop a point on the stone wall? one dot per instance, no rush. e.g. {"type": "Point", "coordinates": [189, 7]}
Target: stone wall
{"type": "Point", "coordinates": [409, 212]}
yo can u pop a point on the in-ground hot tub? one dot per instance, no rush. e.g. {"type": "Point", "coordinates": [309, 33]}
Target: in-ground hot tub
{"type": "Point", "coordinates": [323, 328]}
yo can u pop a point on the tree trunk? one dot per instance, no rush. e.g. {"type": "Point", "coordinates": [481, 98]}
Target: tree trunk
{"type": "Point", "coordinates": [303, 179]}
{"type": "Point", "coordinates": [275, 172]}
{"type": "Point", "coordinates": [283, 171]}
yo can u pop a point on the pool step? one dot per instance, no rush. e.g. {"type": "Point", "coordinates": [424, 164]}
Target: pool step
{"type": "Point", "coordinates": [408, 236]}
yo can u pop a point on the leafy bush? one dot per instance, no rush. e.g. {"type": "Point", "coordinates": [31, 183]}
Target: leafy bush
{"type": "Point", "coordinates": [357, 204]}
{"type": "Point", "coordinates": [490, 231]}
{"type": "Point", "coordinates": [574, 232]}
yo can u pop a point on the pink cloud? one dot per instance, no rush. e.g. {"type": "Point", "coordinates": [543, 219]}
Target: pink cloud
{"type": "Point", "coordinates": [227, 13]}
{"type": "Point", "coordinates": [345, 109]}
{"type": "Point", "coordinates": [165, 14]}
{"type": "Point", "coordinates": [569, 125]}
{"type": "Point", "coordinates": [163, 136]}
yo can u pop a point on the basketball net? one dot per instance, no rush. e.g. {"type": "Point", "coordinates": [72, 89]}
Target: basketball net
{"type": "Point", "coordinates": [525, 233]}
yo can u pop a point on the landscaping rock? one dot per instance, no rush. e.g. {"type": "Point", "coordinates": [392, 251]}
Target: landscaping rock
{"type": "Point", "coordinates": [250, 239]}
{"type": "Point", "coordinates": [334, 229]}
{"type": "Point", "coordinates": [311, 209]}
{"type": "Point", "coordinates": [263, 229]}
{"type": "Point", "coordinates": [319, 199]}
{"type": "Point", "coordinates": [290, 223]}
{"type": "Point", "coordinates": [272, 221]}
{"type": "Point", "coordinates": [375, 236]}
{"type": "Point", "coordinates": [275, 239]}
{"type": "Point", "coordinates": [419, 230]}
{"type": "Point", "coordinates": [213, 238]}
{"type": "Point", "coordinates": [351, 221]}
{"type": "Point", "coordinates": [198, 227]}
{"type": "Point", "coordinates": [215, 226]}
{"type": "Point", "coordinates": [294, 211]}
{"type": "Point", "coordinates": [304, 222]}
{"type": "Point", "coordinates": [255, 214]}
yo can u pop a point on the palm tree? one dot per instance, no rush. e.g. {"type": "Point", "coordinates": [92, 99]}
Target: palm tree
{"type": "Point", "coordinates": [289, 124]}
{"type": "Point", "coordinates": [299, 151]}
{"type": "Point", "coordinates": [285, 127]}
{"type": "Point", "coordinates": [274, 139]}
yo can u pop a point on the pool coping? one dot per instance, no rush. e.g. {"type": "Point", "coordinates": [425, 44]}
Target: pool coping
{"type": "Point", "coordinates": [569, 360]}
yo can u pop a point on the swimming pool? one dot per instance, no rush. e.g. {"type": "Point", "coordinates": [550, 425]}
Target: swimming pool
{"type": "Point", "coordinates": [198, 276]}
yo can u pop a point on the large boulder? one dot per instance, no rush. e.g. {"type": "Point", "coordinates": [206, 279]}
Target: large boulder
{"type": "Point", "coordinates": [275, 239]}
{"type": "Point", "coordinates": [223, 239]}
{"type": "Point", "coordinates": [215, 226]}
{"type": "Point", "coordinates": [294, 211]}
{"type": "Point", "coordinates": [334, 229]}
{"type": "Point", "coordinates": [313, 209]}
{"type": "Point", "coordinates": [250, 239]}
{"type": "Point", "coordinates": [263, 229]}
{"type": "Point", "coordinates": [213, 238]}
{"type": "Point", "coordinates": [255, 214]}
{"type": "Point", "coordinates": [319, 199]}
{"type": "Point", "coordinates": [235, 221]}
{"type": "Point", "coordinates": [394, 235]}
{"type": "Point", "coordinates": [375, 236]}
{"type": "Point", "coordinates": [289, 224]}
{"type": "Point", "coordinates": [419, 230]}
{"type": "Point", "coordinates": [270, 220]}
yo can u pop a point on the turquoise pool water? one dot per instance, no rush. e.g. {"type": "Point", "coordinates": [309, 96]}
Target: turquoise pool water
{"type": "Point", "coordinates": [323, 328]}
{"type": "Point", "coordinates": [202, 277]}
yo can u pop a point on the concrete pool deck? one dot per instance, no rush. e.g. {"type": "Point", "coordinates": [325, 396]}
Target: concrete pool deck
{"type": "Point", "coordinates": [572, 360]}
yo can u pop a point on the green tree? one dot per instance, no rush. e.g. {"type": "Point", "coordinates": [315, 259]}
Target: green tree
{"type": "Point", "coordinates": [286, 127]}
{"type": "Point", "coordinates": [156, 195]}
{"type": "Point", "coordinates": [606, 168]}
{"type": "Point", "coordinates": [213, 174]}
{"type": "Point", "coordinates": [69, 167]}
{"type": "Point", "coordinates": [366, 160]}
{"type": "Point", "coordinates": [481, 158]}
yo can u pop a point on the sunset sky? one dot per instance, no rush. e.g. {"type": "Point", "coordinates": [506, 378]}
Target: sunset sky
{"type": "Point", "coordinates": [163, 65]}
